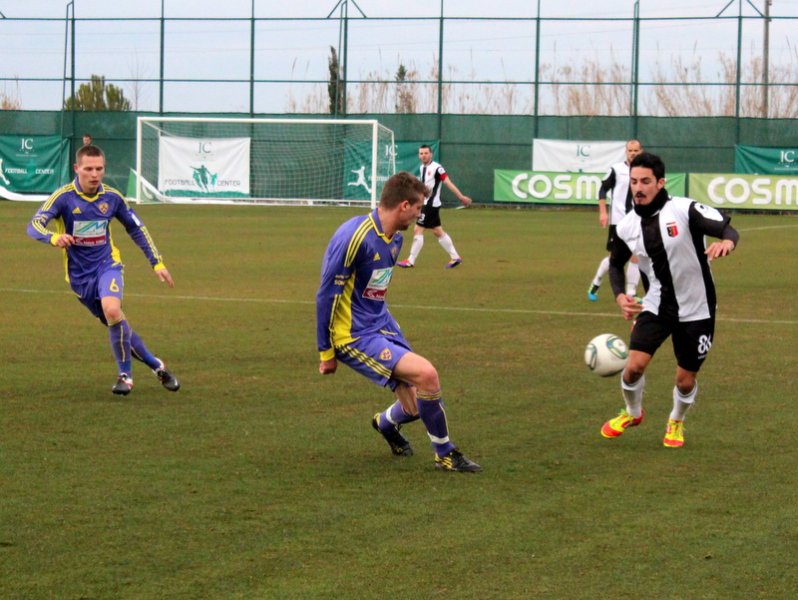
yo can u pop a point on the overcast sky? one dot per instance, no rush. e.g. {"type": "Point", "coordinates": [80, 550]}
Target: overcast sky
{"type": "Point", "coordinates": [296, 47]}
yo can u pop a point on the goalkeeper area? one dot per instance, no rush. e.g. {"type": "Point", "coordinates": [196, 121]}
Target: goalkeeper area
{"type": "Point", "coordinates": [262, 161]}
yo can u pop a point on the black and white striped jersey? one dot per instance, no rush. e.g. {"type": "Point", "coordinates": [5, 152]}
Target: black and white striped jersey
{"type": "Point", "coordinates": [670, 248]}
{"type": "Point", "coordinates": [616, 182]}
{"type": "Point", "coordinates": [432, 176]}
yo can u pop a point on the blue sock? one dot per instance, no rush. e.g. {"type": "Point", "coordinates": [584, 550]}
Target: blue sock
{"type": "Point", "coordinates": [395, 415]}
{"type": "Point", "coordinates": [141, 353]}
{"type": "Point", "coordinates": [430, 409]}
{"type": "Point", "coordinates": [119, 335]}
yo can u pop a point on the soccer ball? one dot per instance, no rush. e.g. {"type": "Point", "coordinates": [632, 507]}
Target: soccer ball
{"type": "Point", "coordinates": [606, 354]}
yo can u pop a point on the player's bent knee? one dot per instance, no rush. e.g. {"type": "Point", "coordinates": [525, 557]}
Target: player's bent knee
{"type": "Point", "coordinates": [113, 316]}
{"type": "Point", "coordinates": [633, 372]}
{"type": "Point", "coordinates": [685, 381]}
{"type": "Point", "coordinates": [428, 380]}
{"type": "Point", "coordinates": [417, 371]}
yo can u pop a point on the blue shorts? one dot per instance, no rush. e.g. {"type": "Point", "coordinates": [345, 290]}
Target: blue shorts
{"type": "Point", "coordinates": [91, 291]}
{"type": "Point", "coordinates": [375, 356]}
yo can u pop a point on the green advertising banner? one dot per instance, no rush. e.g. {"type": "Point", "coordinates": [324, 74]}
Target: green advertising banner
{"type": "Point", "coordinates": [33, 163]}
{"type": "Point", "coordinates": [676, 184]}
{"type": "Point", "coordinates": [754, 192]}
{"type": "Point", "coordinates": [357, 164]}
{"type": "Point", "coordinates": [545, 187]}
{"type": "Point", "coordinates": [357, 170]}
{"type": "Point", "coordinates": [761, 160]}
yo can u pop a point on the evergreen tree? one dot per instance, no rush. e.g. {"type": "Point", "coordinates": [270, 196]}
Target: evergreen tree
{"type": "Point", "coordinates": [335, 88]}
{"type": "Point", "coordinates": [96, 95]}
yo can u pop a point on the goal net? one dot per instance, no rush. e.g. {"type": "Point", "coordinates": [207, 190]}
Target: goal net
{"type": "Point", "coordinates": [262, 161]}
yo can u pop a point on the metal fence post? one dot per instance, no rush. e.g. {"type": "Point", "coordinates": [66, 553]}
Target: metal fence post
{"type": "Point", "coordinates": [440, 74]}
{"type": "Point", "coordinates": [536, 107]}
{"type": "Point", "coordinates": [252, 62]}
{"type": "Point", "coordinates": [635, 87]}
{"type": "Point", "coordinates": [161, 75]}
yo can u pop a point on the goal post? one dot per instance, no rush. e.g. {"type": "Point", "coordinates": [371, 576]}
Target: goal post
{"type": "Point", "coordinates": [262, 161]}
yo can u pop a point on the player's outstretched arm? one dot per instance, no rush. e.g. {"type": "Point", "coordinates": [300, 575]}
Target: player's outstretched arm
{"type": "Point", "coordinates": [719, 249]}
{"type": "Point", "coordinates": [465, 200]}
{"type": "Point", "coordinates": [164, 276]}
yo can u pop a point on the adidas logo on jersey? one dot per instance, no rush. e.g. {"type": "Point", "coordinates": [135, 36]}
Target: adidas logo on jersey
{"type": "Point", "coordinates": [76, 210]}
{"type": "Point", "coordinates": [377, 256]}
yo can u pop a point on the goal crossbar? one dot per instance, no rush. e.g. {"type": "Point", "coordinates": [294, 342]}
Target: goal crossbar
{"type": "Point", "coordinates": [276, 160]}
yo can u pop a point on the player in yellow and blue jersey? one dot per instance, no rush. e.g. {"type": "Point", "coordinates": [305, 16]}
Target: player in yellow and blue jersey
{"type": "Point", "coordinates": [355, 327]}
{"type": "Point", "coordinates": [82, 212]}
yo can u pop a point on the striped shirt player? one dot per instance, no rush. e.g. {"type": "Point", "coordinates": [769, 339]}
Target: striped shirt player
{"type": "Point", "coordinates": [80, 214]}
{"type": "Point", "coordinates": [433, 175]}
{"type": "Point", "coordinates": [616, 184]}
{"type": "Point", "coordinates": [354, 326]}
{"type": "Point", "coordinates": [667, 235]}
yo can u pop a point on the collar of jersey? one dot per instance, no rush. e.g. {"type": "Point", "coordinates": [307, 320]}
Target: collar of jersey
{"type": "Point", "coordinates": [378, 226]}
{"type": "Point", "coordinates": [649, 210]}
{"type": "Point", "coordinates": [86, 197]}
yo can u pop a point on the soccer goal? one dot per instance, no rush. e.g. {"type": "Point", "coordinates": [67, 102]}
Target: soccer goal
{"type": "Point", "coordinates": [262, 161]}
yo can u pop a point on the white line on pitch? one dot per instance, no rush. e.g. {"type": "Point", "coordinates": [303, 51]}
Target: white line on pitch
{"type": "Point", "coordinates": [747, 229]}
{"type": "Point", "coordinates": [517, 311]}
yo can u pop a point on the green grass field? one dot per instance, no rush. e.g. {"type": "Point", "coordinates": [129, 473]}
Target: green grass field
{"type": "Point", "coordinates": [262, 479]}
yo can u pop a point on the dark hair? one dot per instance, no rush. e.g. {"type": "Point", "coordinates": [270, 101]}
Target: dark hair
{"type": "Point", "coordinates": [400, 187]}
{"type": "Point", "coordinates": [88, 150]}
{"type": "Point", "coordinates": [427, 146]}
{"type": "Point", "coordinates": [649, 161]}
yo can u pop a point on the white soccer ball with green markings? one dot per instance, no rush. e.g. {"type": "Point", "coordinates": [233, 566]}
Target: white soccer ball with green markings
{"type": "Point", "coordinates": [606, 354]}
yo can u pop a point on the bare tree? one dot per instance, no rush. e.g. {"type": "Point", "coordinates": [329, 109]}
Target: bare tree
{"type": "Point", "coordinates": [682, 89]}
{"type": "Point", "coordinates": [589, 88]}
{"type": "Point", "coordinates": [136, 87]}
{"type": "Point", "coordinates": [405, 98]}
{"type": "Point", "coordinates": [10, 100]}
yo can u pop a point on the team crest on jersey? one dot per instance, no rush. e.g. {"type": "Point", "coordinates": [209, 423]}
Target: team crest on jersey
{"type": "Point", "coordinates": [394, 252]}
{"type": "Point", "coordinates": [103, 206]}
{"type": "Point", "coordinates": [672, 229]}
{"type": "Point", "coordinates": [386, 354]}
